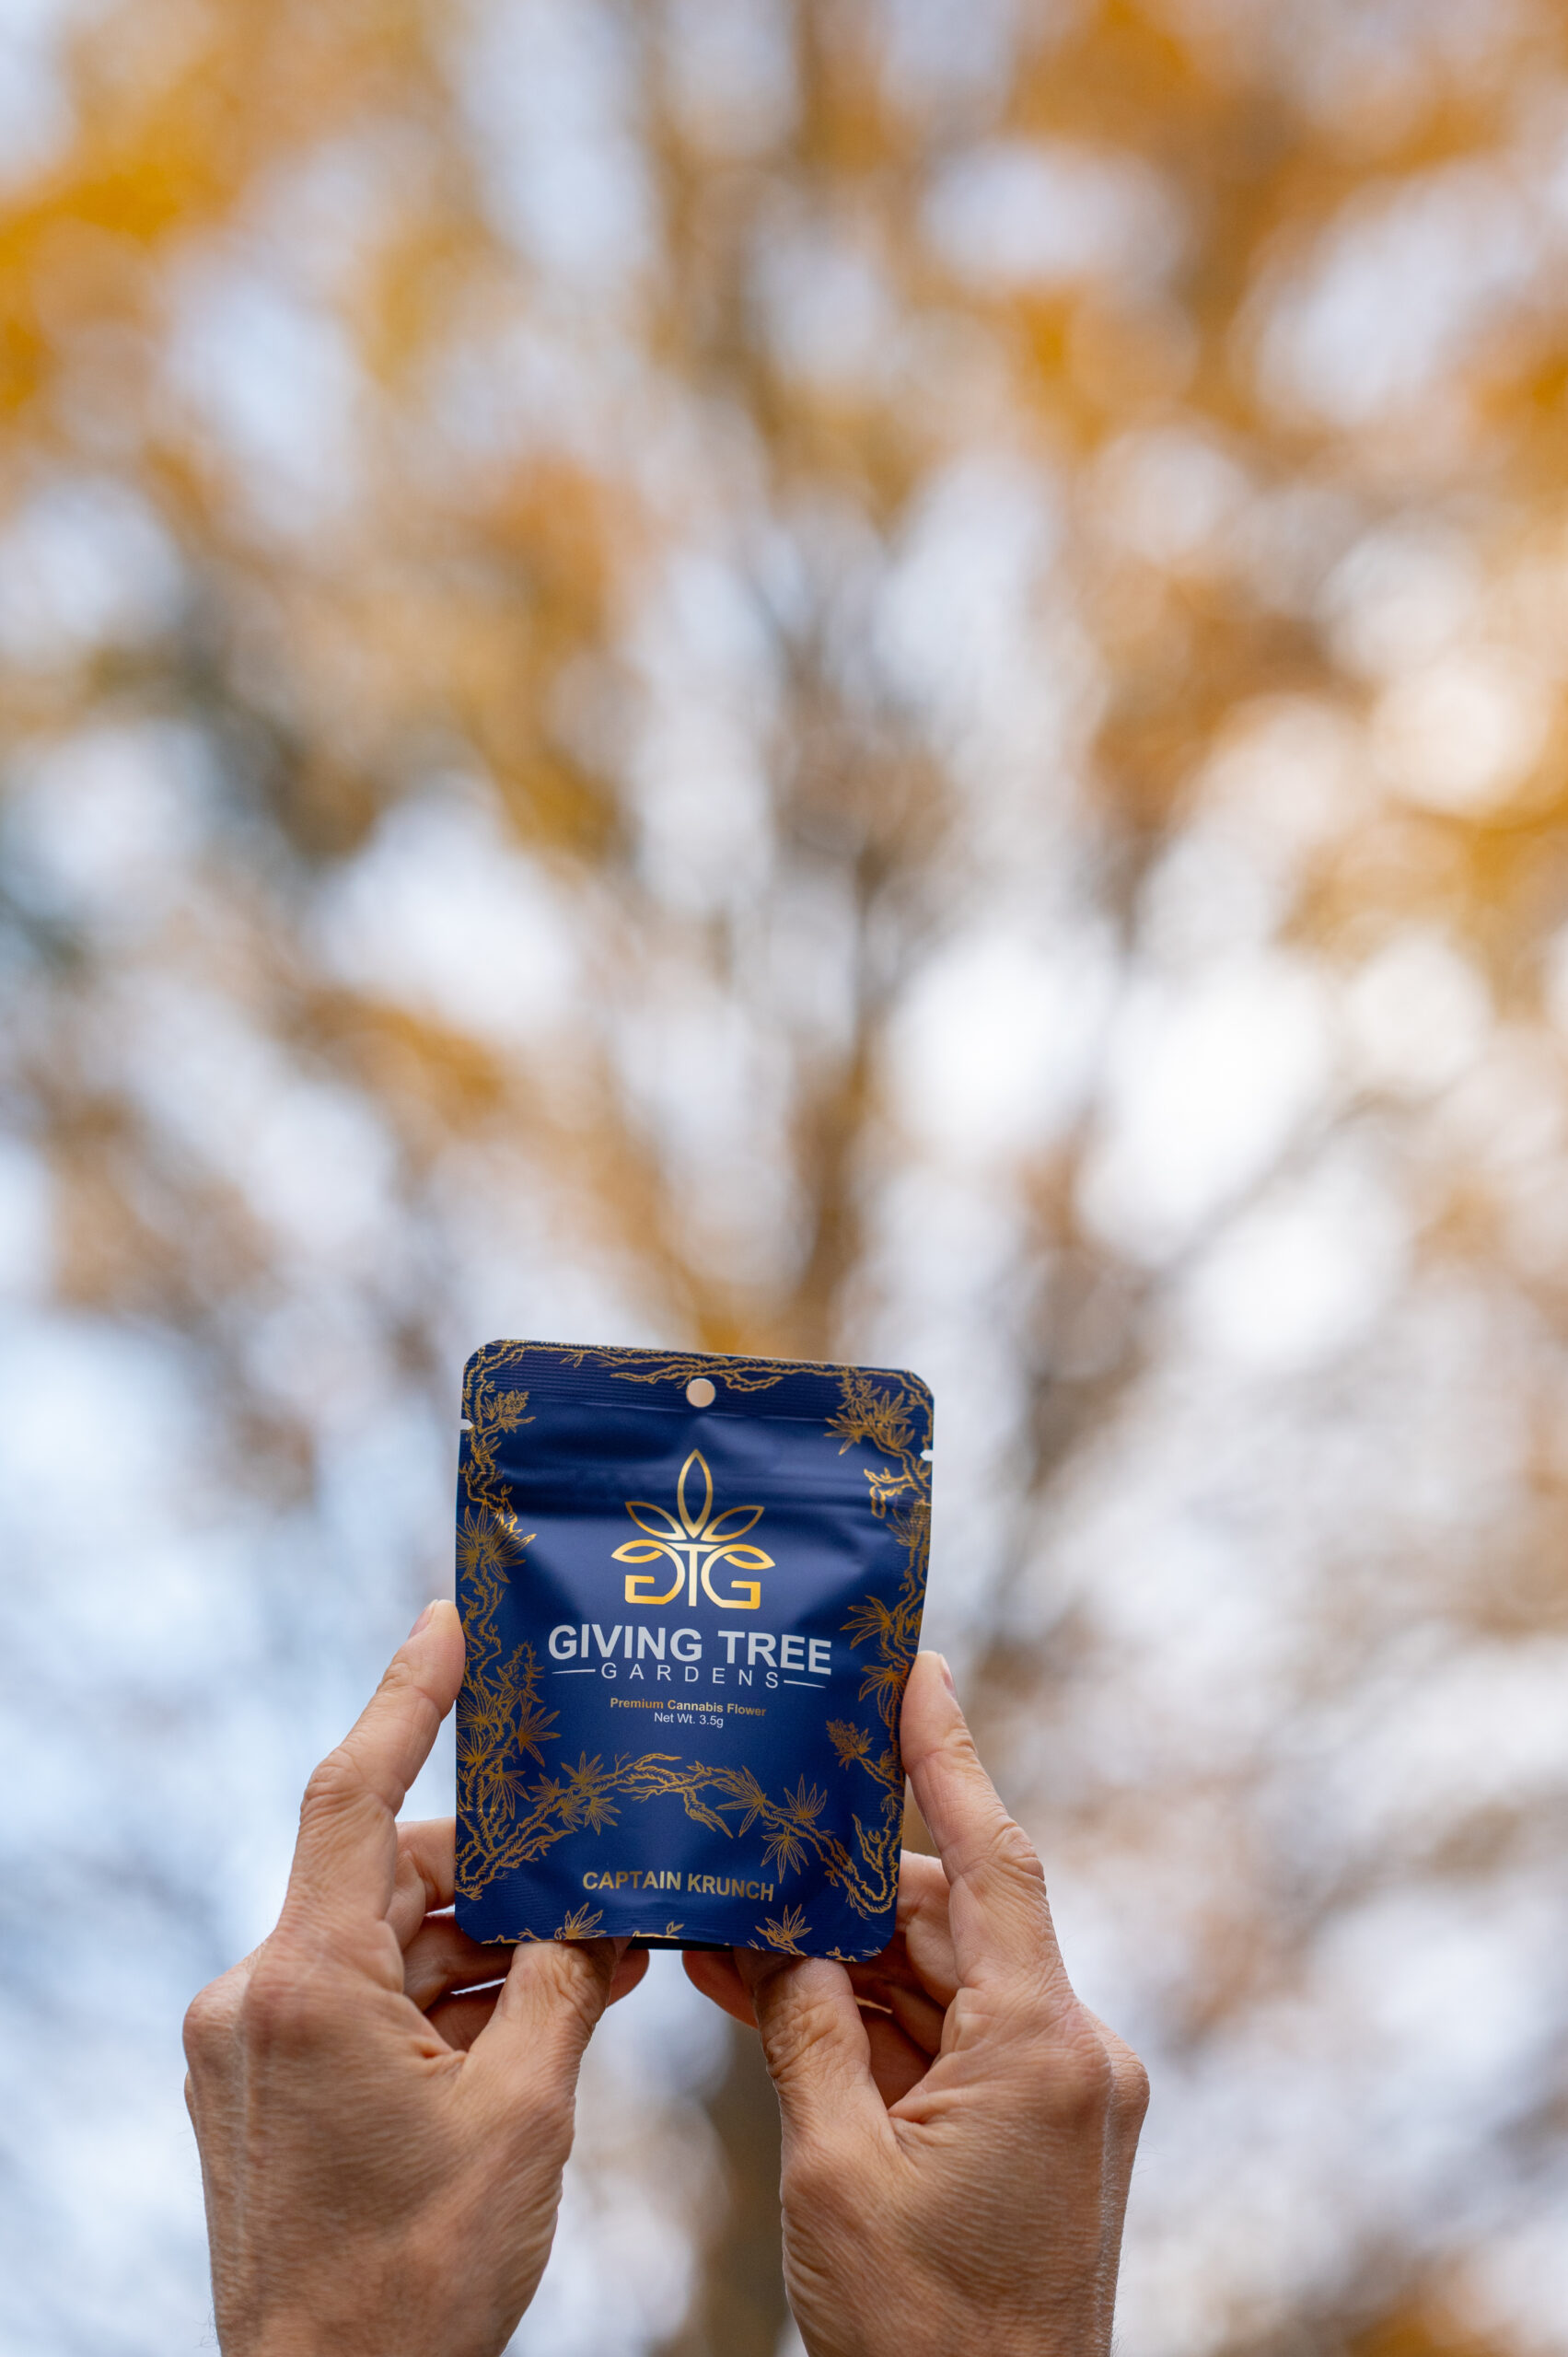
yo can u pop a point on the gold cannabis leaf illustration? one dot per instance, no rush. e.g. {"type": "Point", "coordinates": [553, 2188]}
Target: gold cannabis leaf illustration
{"type": "Point", "coordinates": [850, 1742]}
{"type": "Point", "coordinates": [487, 1541]}
{"type": "Point", "coordinates": [785, 1846]}
{"type": "Point", "coordinates": [805, 1807]}
{"type": "Point", "coordinates": [870, 1621]}
{"type": "Point", "coordinates": [499, 1724]}
{"type": "Point", "coordinates": [589, 1787]}
{"type": "Point", "coordinates": [785, 1931]}
{"type": "Point", "coordinates": [747, 1794]}
{"type": "Point", "coordinates": [783, 1849]}
{"type": "Point", "coordinates": [867, 1415]}
{"type": "Point", "coordinates": [581, 1925]}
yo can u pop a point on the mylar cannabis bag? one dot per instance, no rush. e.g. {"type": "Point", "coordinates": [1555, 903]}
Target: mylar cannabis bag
{"type": "Point", "coordinates": [692, 1589]}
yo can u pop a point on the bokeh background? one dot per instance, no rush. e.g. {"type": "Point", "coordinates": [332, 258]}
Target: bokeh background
{"type": "Point", "coordinates": [835, 676]}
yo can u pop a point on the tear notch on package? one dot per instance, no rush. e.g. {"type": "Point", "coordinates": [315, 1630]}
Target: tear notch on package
{"type": "Point", "coordinates": [691, 1590]}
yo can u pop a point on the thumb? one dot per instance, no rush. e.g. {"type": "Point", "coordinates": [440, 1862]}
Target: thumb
{"type": "Point", "coordinates": [817, 2054]}
{"type": "Point", "coordinates": [554, 1996]}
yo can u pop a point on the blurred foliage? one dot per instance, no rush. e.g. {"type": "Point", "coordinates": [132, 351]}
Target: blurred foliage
{"type": "Point", "coordinates": [845, 676]}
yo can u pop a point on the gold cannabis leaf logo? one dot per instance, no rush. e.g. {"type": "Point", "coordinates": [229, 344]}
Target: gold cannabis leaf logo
{"type": "Point", "coordinates": [694, 1543]}
{"type": "Point", "coordinates": [785, 1930]}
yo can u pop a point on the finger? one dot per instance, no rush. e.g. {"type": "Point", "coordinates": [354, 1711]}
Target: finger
{"type": "Point", "coordinates": [472, 2010]}
{"type": "Point", "coordinates": [460, 2020]}
{"type": "Point", "coordinates": [896, 2064]}
{"type": "Point", "coordinates": [888, 1986]}
{"type": "Point", "coordinates": [815, 2043]}
{"type": "Point", "coordinates": [715, 1973]}
{"type": "Point", "coordinates": [997, 1909]}
{"type": "Point", "coordinates": [925, 1928]}
{"type": "Point", "coordinates": [440, 1958]}
{"type": "Point", "coordinates": [918, 1958]}
{"type": "Point", "coordinates": [921, 2020]}
{"type": "Point", "coordinates": [423, 1883]}
{"type": "Point", "coordinates": [346, 1861]}
{"type": "Point", "coordinates": [553, 1998]}
{"type": "Point", "coordinates": [631, 1969]}
{"type": "Point", "coordinates": [921, 1886]}
{"type": "Point", "coordinates": [903, 2028]}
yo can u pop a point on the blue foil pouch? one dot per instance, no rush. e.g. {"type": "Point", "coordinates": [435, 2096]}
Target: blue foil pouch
{"type": "Point", "coordinates": [691, 1590]}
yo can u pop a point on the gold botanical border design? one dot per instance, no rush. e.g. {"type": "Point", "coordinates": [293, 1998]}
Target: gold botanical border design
{"type": "Point", "coordinates": [506, 1820]}
{"type": "Point", "coordinates": [658, 1366]}
{"type": "Point", "coordinates": [490, 1412]}
{"type": "Point", "coordinates": [642, 1364]}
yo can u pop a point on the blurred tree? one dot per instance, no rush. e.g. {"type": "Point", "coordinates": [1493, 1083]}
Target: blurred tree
{"type": "Point", "coordinates": [838, 676]}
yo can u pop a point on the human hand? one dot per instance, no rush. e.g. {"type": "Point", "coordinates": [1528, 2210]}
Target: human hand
{"type": "Point", "coordinates": [959, 2130]}
{"type": "Point", "coordinates": [382, 2137]}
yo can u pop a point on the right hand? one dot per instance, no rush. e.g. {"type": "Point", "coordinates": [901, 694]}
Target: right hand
{"type": "Point", "coordinates": [956, 2162]}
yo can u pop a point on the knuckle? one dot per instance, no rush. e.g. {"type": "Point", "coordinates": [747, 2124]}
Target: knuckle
{"type": "Point", "coordinates": [795, 2034]}
{"type": "Point", "coordinates": [957, 1746]}
{"type": "Point", "coordinates": [398, 1677]}
{"type": "Point", "coordinates": [280, 2007]}
{"type": "Point", "coordinates": [1077, 2080]}
{"type": "Point", "coordinates": [332, 1784]}
{"type": "Point", "coordinates": [1131, 2083]}
{"type": "Point", "coordinates": [1011, 1849]}
{"type": "Point", "coordinates": [581, 1986]}
{"type": "Point", "coordinates": [208, 2028]}
{"type": "Point", "coordinates": [562, 1985]}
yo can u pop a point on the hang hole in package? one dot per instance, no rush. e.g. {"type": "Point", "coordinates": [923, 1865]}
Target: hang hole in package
{"type": "Point", "coordinates": [692, 1591]}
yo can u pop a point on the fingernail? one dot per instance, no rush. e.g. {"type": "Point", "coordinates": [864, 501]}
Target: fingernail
{"type": "Point", "coordinates": [421, 1620]}
{"type": "Point", "coordinates": [946, 1675]}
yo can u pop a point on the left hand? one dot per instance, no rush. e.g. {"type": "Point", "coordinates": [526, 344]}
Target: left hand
{"type": "Point", "coordinates": [382, 2136]}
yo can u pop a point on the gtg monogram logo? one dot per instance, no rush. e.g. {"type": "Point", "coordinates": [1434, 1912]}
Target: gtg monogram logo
{"type": "Point", "coordinates": [695, 1544]}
